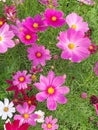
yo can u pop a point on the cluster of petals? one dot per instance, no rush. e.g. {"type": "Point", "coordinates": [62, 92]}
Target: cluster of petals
{"type": "Point", "coordinates": [6, 109]}
{"type": "Point", "coordinates": [26, 114]}
{"type": "Point", "coordinates": [73, 45]}
{"type": "Point", "coordinates": [76, 22]}
{"type": "Point", "coordinates": [6, 38]}
{"type": "Point", "coordinates": [38, 54]}
{"type": "Point", "coordinates": [50, 124]}
{"type": "Point", "coordinates": [21, 79]}
{"type": "Point", "coordinates": [51, 90]}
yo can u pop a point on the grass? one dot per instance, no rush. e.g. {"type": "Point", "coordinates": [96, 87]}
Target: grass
{"type": "Point", "coordinates": [76, 113]}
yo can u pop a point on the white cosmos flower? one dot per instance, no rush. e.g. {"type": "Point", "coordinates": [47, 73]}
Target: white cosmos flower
{"type": "Point", "coordinates": [40, 114]}
{"type": "Point", "coordinates": [6, 109]}
{"type": "Point", "coordinates": [3, 0]}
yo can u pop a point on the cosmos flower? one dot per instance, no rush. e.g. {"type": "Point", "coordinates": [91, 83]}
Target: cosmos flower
{"type": "Point", "coordinates": [35, 24]}
{"type": "Point", "coordinates": [87, 2]}
{"type": "Point", "coordinates": [76, 22]}
{"type": "Point", "coordinates": [6, 38]}
{"type": "Point", "coordinates": [17, 2]}
{"type": "Point", "coordinates": [15, 125]}
{"type": "Point", "coordinates": [6, 109]}
{"type": "Point", "coordinates": [74, 45]}
{"type": "Point", "coordinates": [27, 37]}
{"type": "Point", "coordinates": [38, 55]}
{"type": "Point", "coordinates": [54, 18]}
{"type": "Point", "coordinates": [51, 90]}
{"type": "Point", "coordinates": [50, 124]}
{"type": "Point", "coordinates": [21, 79]}
{"type": "Point", "coordinates": [40, 114]}
{"type": "Point", "coordinates": [26, 115]}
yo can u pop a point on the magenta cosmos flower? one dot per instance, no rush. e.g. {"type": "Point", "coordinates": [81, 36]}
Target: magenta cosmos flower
{"type": "Point", "coordinates": [28, 37]}
{"type": "Point", "coordinates": [21, 79]}
{"type": "Point", "coordinates": [6, 38]}
{"type": "Point", "coordinates": [26, 115]}
{"type": "Point", "coordinates": [36, 24]}
{"type": "Point", "coordinates": [52, 90]}
{"type": "Point", "coordinates": [38, 55]}
{"type": "Point", "coordinates": [50, 124]}
{"type": "Point", "coordinates": [54, 18]}
{"type": "Point", "coordinates": [76, 22]}
{"type": "Point", "coordinates": [96, 68]}
{"type": "Point", "coordinates": [74, 45]}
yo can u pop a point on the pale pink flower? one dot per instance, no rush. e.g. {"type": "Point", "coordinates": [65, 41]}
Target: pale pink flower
{"type": "Point", "coordinates": [26, 115]}
{"type": "Point", "coordinates": [6, 38]}
{"type": "Point", "coordinates": [50, 124]}
{"type": "Point", "coordinates": [76, 22]}
{"type": "Point", "coordinates": [51, 90]}
{"type": "Point", "coordinates": [38, 55]}
{"type": "Point", "coordinates": [21, 79]}
{"type": "Point", "coordinates": [74, 45]}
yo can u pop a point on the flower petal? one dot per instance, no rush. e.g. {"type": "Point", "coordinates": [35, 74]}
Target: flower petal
{"type": "Point", "coordinates": [51, 103]}
{"type": "Point", "coordinates": [61, 99]}
{"type": "Point", "coordinates": [41, 96]}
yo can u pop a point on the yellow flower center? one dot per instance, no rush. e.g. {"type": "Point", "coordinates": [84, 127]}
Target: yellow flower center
{"type": "Point", "coordinates": [34, 77]}
{"type": "Point", "coordinates": [1, 23]}
{"type": "Point", "coordinates": [54, 18]}
{"type": "Point", "coordinates": [49, 126]}
{"type": "Point", "coordinates": [91, 47]}
{"type": "Point", "coordinates": [6, 109]}
{"type": "Point", "coordinates": [74, 26]}
{"type": "Point", "coordinates": [21, 79]}
{"type": "Point", "coordinates": [71, 46]}
{"type": "Point", "coordinates": [29, 102]}
{"type": "Point", "coordinates": [26, 116]}
{"type": "Point", "coordinates": [28, 37]}
{"type": "Point", "coordinates": [38, 54]}
{"type": "Point", "coordinates": [39, 116]}
{"type": "Point", "coordinates": [50, 90]}
{"type": "Point", "coordinates": [35, 25]}
{"type": "Point", "coordinates": [1, 38]}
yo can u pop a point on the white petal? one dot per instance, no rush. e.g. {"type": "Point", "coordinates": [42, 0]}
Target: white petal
{"type": "Point", "coordinates": [10, 115]}
{"type": "Point", "coordinates": [11, 104]}
{"type": "Point", "coordinates": [4, 116]}
{"type": "Point", "coordinates": [6, 102]}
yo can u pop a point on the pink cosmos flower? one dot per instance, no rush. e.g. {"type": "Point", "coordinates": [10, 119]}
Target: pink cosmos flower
{"type": "Point", "coordinates": [38, 55]}
{"type": "Point", "coordinates": [49, 2]}
{"type": "Point", "coordinates": [26, 115]}
{"type": "Point", "coordinates": [6, 38]}
{"type": "Point", "coordinates": [87, 2]}
{"type": "Point", "coordinates": [36, 24]}
{"type": "Point", "coordinates": [54, 18]}
{"type": "Point", "coordinates": [36, 69]}
{"type": "Point", "coordinates": [18, 28]}
{"type": "Point", "coordinates": [15, 126]}
{"type": "Point", "coordinates": [50, 124]}
{"type": "Point", "coordinates": [28, 37]}
{"type": "Point", "coordinates": [76, 22]}
{"type": "Point", "coordinates": [52, 90]}
{"type": "Point", "coordinates": [74, 45]}
{"type": "Point", "coordinates": [21, 79]}
{"type": "Point", "coordinates": [96, 68]}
